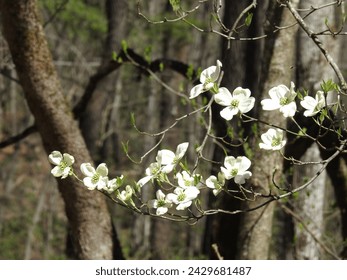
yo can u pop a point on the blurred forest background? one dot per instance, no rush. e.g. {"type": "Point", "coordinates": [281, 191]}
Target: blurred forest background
{"type": "Point", "coordinates": [83, 37]}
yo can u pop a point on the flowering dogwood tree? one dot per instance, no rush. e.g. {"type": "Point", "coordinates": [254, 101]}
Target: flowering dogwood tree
{"type": "Point", "coordinates": [178, 187]}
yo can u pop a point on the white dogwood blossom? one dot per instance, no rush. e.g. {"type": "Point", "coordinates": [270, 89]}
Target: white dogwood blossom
{"type": "Point", "coordinates": [313, 105]}
{"type": "Point", "coordinates": [152, 172]}
{"type": "Point", "coordinates": [272, 140]}
{"type": "Point", "coordinates": [95, 179]}
{"type": "Point", "coordinates": [240, 101]}
{"type": "Point", "coordinates": [208, 80]}
{"type": "Point", "coordinates": [283, 99]}
{"type": "Point", "coordinates": [63, 164]}
{"type": "Point", "coordinates": [183, 198]}
{"type": "Point", "coordinates": [114, 184]}
{"type": "Point", "coordinates": [162, 204]}
{"type": "Point", "coordinates": [166, 162]}
{"type": "Point", "coordinates": [169, 159]}
{"type": "Point", "coordinates": [216, 184]}
{"type": "Point", "coordinates": [236, 168]}
{"type": "Point", "coordinates": [125, 195]}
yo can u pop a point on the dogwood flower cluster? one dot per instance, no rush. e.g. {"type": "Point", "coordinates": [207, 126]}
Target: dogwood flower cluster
{"type": "Point", "coordinates": [177, 187]}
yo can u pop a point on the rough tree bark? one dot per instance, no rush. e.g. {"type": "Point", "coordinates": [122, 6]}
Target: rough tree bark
{"type": "Point", "coordinates": [256, 226]}
{"type": "Point", "coordinates": [311, 201]}
{"type": "Point", "coordinates": [86, 211]}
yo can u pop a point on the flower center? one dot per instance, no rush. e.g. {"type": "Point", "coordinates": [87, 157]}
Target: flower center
{"type": "Point", "coordinates": [284, 101]}
{"type": "Point", "coordinates": [154, 170]}
{"type": "Point", "coordinates": [161, 203]}
{"type": "Point", "coordinates": [63, 164]}
{"type": "Point", "coordinates": [187, 183]}
{"type": "Point", "coordinates": [234, 103]}
{"type": "Point", "coordinates": [275, 142]}
{"type": "Point", "coordinates": [95, 178]}
{"type": "Point", "coordinates": [234, 172]}
{"type": "Point", "coordinates": [181, 197]}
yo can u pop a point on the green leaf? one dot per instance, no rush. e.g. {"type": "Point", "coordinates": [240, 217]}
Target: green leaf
{"type": "Point", "coordinates": [328, 85]}
{"type": "Point", "coordinates": [114, 56]}
{"type": "Point", "coordinates": [132, 119]}
{"type": "Point", "coordinates": [125, 147]}
{"type": "Point", "coordinates": [302, 132]}
{"type": "Point", "coordinates": [124, 46]}
{"type": "Point", "coordinates": [161, 67]}
{"type": "Point", "coordinates": [248, 19]}
{"type": "Point", "coordinates": [176, 5]}
{"type": "Point", "coordinates": [148, 53]}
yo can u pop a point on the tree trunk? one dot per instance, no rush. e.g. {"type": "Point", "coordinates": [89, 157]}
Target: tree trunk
{"type": "Point", "coordinates": [256, 226]}
{"type": "Point", "coordinates": [311, 201]}
{"type": "Point", "coordinates": [87, 213]}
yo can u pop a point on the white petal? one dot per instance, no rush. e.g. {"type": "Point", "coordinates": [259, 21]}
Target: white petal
{"type": "Point", "coordinates": [168, 168]}
{"type": "Point", "coordinates": [246, 105]}
{"type": "Point", "coordinates": [181, 149]}
{"type": "Point", "coordinates": [160, 195]}
{"type": "Point", "coordinates": [265, 146]}
{"type": "Point", "coordinates": [245, 163]}
{"type": "Point", "coordinates": [309, 103]}
{"type": "Point", "coordinates": [223, 97]}
{"type": "Point", "coordinates": [184, 205]}
{"type": "Point", "coordinates": [211, 182]}
{"type": "Point", "coordinates": [88, 183]}
{"type": "Point", "coordinates": [69, 159]}
{"type": "Point", "coordinates": [288, 110]}
{"type": "Point", "coordinates": [191, 193]}
{"type": "Point", "coordinates": [144, 180]}
{"type": "Point", "coordinates": [276, 93]}
{"type": "Point", "coordinates": [161, 210]}
{"type": "Point", "coordinates": [165, 157]}
{"type": "Point", "coordinates": [171, 197]}
{"type": "Point", "coordinates": [228, 113]}
{"type": "Point", "coordinates": [66, 172]}
{"type": "Point", "coordinates": [242, 91]}
{"type": "Point", "coordinates": [87, 169]}
{"type": "Point", "coordinates": [241, 179]}
{"type": "Point", "coordinates": [56, 171]}
{"type": "Point", "coordinates": [196, 91]}
{"type": "Point", "coordinates": [211, 73]}
{"type": "Point", "coordinates": [102, 184]}
{"type": "Point", "coordinates": [55, 157]}
{"type": "Point", "coordinates": [102, 169]}
{"type": "Point", "coordinates": [229, 162]}
{"type": "Point", "coordinates": [270, 104]}
{"type": "Point", "coordinates": [152, 203]}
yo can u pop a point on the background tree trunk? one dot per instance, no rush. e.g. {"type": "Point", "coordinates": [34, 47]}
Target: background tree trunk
{"type": "Point", "coordinates": [312, 70]}
{"type": "Point", "coordinates": [256, 226]}
{"type": "Point", "coordinates": [87, 213]}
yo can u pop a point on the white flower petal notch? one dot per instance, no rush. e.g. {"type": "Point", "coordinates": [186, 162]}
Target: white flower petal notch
{"type": "Point", "coordinates": [240, 101]}
{"type": "Point", "coordinates": [208, 80]}
{"type": "Point", "coordinates": [63, 164]}
{"type": "Point", "coordinates": [236, 168]}
{"type": "Point", "coordinates": [162, 204]}
{"type": "Point", "coordinates": [273, 140]}
{"type": "Point", "coordinates": [283, 99]}
{"type": "Point", "coordinates": [95, 179]}
{"type": "Point", "coordinates": [313, 105]}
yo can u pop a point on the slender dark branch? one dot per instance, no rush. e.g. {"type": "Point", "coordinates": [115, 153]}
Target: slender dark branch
{"type": "Point", "coordinates": [14, 139]}
{"type": "Point", "coordinates": [144, 66]}
{"type": "Point", "coordinates": [319, 44]}
{"type": "Point", "coordinates": [105, 69]}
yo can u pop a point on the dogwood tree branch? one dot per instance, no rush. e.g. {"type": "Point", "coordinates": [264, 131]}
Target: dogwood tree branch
{"type": "Point", "coordinates": [319, 44]}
